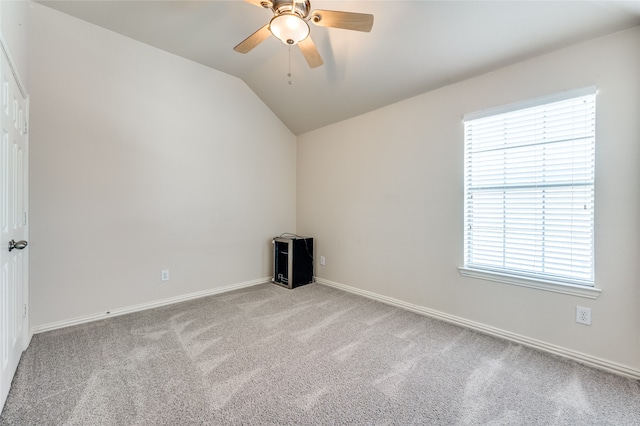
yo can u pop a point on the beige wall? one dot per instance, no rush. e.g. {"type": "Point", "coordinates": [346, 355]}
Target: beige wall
{"type": "Point", "coordinates": [382, 194]}
{"type": "Point", "coordinates": [143, 161]}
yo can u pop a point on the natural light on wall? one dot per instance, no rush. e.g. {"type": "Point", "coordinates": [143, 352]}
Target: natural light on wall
{"type": "Point", "coordinates": [529, 190]}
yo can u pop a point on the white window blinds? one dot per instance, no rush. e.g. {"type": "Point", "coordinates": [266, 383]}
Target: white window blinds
{"type": "Point", "coordinates": [529, 189]}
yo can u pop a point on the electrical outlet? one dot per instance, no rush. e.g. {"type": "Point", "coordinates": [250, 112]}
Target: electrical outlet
{"type": "Point", "coordinates": [164, 275]}
{"type": "Point", "coordinates": [322, 260]}
{"type": "Point", "coordinates": [583, 315]}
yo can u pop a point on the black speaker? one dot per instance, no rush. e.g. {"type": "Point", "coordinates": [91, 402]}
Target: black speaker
{"type": "Point", "coordinates": [292, 261]}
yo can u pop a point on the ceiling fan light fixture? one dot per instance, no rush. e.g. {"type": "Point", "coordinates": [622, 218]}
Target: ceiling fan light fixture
{"type": "Point", "coordinates": [289, 28]}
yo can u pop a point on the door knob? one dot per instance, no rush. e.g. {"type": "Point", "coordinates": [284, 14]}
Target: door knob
{"type": "Point", "coordinates": [17, 245]}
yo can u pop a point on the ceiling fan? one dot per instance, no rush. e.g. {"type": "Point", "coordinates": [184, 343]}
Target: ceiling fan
{"type": "Point", "coordinates": [289, 24]}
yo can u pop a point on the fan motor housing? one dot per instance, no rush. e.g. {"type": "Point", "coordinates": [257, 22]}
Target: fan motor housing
{"type": "Point", "coordinates": [300, 8]}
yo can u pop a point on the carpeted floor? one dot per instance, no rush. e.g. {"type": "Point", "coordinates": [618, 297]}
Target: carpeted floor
{"type": "Point", "coordinates": [313, 355]}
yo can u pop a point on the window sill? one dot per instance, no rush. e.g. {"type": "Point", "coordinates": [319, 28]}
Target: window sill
{"type": "Point", "coordinates": [553, 286]}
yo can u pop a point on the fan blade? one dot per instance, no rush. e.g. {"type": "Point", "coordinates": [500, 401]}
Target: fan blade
{"type": "Point", "coordinates": [310, 52]}
{"type": "Point", "coordinates": [345, 20]}
{"type": "Point", "coordinates": [253, 40]}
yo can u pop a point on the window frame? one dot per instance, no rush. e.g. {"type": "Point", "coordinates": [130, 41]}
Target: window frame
{"type": "Point", "coordinates": [529, 279]}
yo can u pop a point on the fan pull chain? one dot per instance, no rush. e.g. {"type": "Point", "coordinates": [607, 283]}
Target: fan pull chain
{"type": "Point", "coordinates": [289, 74]}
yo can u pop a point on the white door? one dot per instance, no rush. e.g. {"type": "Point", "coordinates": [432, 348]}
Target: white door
{"type": "Point", "coordinates": [13, 223]}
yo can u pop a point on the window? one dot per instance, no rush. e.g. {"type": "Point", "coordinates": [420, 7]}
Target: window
{"type": "Point", "coordinates": [529, 190]}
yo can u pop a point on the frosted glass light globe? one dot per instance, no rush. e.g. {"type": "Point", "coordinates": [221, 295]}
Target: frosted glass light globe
{"type": "Point", "coordinates": [289, 28]}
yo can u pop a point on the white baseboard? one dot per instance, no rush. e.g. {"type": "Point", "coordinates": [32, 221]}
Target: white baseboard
{"type": "Point", "coordinates": [580, 357]}
{"type": "Point", "coordinates": [145, 306]}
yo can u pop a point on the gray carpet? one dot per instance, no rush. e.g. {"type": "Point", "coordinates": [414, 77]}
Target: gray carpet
{"type": "Point", "coordinates": [313, 355]}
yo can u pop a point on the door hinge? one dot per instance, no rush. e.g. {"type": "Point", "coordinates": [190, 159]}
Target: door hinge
{"type": "Point", "coordinates": [24, 312]}
{"type": "Point", "coordinates": [24, 218]}
{"type": "Point", "coordinates": [26, 128]}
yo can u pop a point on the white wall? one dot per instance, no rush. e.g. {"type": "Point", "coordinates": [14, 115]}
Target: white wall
{"type": "Point", "coordinates": [382, 194]}
{"type": "Point", "coordinates": [143, 161]}
{"type": "Point", "coordinates": [14, 26]}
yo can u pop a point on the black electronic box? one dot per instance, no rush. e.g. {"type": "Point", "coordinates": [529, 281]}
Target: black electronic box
{"type": "Point", "coordinates": [293, 261]}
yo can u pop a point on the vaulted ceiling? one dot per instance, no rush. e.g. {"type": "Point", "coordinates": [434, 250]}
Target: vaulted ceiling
{"type": "Point", "coordinates": [414, 46]}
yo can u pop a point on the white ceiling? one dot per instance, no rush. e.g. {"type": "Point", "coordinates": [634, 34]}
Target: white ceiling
{"type": "Point", "coordinates": [414, 46]}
